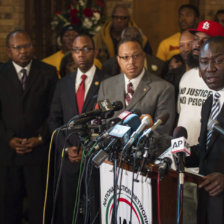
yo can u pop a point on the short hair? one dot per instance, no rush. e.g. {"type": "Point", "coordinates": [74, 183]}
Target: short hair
{"type": "Point", "coordinates": [118, 6]}
{"type": "Point", "coordinates": [190, 6]}
{"type": "Point", "coordinates": [132, 32]}
{"type": "Point", "coordinates": [221, 11]}
{"type": "Point", "coordinates": [129, 39]}
{"type": "Point", "coordinates": [88, 36]}
{"type": "Point", "coordinates": [215, 40]}
{"type": "Point", "coordinates": [14, 32]}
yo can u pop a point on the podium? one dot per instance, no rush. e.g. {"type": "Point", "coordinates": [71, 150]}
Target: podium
{"type": "Point", "coordinates": [144, 205]}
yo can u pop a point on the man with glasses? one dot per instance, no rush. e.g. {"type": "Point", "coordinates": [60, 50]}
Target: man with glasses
{"type": "Point", "coordinates": [107, 39]}
{"type": "Point", "coordinates": [76, 94]}
{"type": "Point", "coordinates": [26, 90]}
{"type": "Point", "coordinates": [137, 88]}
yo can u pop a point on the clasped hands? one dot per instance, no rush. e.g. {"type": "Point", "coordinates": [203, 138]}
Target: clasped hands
{"type": "Point", "coordinates": [74, 154]}
{"type": "Point", "coordinates": [24, 145]}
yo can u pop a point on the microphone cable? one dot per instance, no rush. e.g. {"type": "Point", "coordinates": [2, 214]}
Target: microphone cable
{"type": "Point", "coordinates": [158, 198]}
{"type": "Point", "coordinates": [48, 173]}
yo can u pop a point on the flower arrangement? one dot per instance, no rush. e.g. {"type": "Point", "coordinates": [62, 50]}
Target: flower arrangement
{"type": "Point", "coordinates": [86, 15]}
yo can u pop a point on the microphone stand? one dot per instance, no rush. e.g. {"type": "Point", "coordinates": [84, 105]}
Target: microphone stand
{"type": "Point", "coordinates": [180, 165]}
{"type": "Point", "coordinates": [115, 159]}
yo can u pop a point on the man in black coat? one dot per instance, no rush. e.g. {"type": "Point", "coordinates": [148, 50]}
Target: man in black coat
{"type": "Point", "coordinates": [64, 107]}
{"type": "Point", "coordinates": [209, 154]}
{"type": "Point", "coordinates": [26, 90]}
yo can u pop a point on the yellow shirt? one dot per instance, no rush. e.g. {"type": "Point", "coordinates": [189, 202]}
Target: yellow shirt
{"type": "Point", "coordinates": [55, 60]}
{"type": "Point", "coordinates": [169, 47]}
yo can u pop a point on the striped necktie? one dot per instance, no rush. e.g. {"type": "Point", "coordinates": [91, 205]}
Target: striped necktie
{"type": "Point", "coordinates": [129, 94]}
{"type": "Point", "coordinates": [214, 113]}
{"type": "Point", "coordinates": [24, 78]}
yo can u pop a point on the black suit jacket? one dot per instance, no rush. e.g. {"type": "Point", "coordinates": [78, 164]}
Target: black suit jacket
{"type": "Point", "coordinates": [63, 108]}
{"type": "Point", "coordinates": [211, 209]}
{"type": "Point", "coordinates": [24, 114]}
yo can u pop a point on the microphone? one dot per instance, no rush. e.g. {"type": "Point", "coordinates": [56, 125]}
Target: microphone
{"type": "Point", "coordinates": [147, 132]}
{"type": "Point", "coordinates": [106, 110]}
{"type": "Point", "coordinates": [180, 147]}
{"type": "Point", "coordinates": [164, 166]}
{"type": "Point", "coordinates": [119, 133]}
{"type": "Point", "coordinates": [216, 126]}
{"type": "Point", "coordinates": [145, 121]}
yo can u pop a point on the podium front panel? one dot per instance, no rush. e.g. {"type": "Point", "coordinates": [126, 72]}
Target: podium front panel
{"type": "Point", "coordinates": [142, 197]}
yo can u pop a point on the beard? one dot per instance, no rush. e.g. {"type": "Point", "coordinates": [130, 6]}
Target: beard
{"type": "Point", "coordinates": [192, 60]}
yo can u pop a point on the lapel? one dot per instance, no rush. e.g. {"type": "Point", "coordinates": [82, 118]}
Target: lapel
{"type": "Point", "coordinates": [70, 89]}
{"type": "Point", "coordinates": [11, 75]}
{"type": "Point", "coordinates": [142, 89]}
{"type": "Point", "coordinates": [215, 134]}
{"type": "Point", "coordinates": [119, 89]}
{"type": "Point", "coordinates": [204, 118]}
{"type": "Point", "coordinates": [33, 76]}
{"type": "Point", "coordinates": [92, 92]}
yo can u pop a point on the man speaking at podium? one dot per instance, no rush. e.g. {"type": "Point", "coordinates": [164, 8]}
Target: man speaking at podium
{"type": "Point", "coordinates": [138, 89]}
{"type": "Point", "coordinates": [209, 154]}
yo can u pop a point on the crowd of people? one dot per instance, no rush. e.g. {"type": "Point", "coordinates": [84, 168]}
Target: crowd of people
{"type": "Point", "coordinates": [185, 79]}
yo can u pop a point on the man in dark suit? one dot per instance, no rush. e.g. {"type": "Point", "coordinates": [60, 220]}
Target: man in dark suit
{"type": "Point", "coordinates": [26, 89]}
{"type": "Point", "coordinates": [137, 88]}
{"type": "Point", "coordinates": [209, 154]}
{"type": "Point", "coordinates": [64, 106]}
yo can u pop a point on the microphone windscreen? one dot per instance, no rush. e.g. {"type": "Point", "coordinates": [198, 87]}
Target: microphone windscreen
{"type": "Point", "coordinates": [150, 118]}
{"type": "Point", "coordinates": [132, 121]}
{"type": "Point", "coordinates": [117, 105]}
{"type": "Point", "coordinates": [180, 132]}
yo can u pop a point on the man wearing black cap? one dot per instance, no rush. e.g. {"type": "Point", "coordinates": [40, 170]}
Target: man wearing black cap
{"type": "Point", "coordinates": [67, 35]}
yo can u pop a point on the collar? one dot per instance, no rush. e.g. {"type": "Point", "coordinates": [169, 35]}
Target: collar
{"type": "Point", "coordinates": [19, 68]}
{"type": "Point", "coordinates": [134, 81]}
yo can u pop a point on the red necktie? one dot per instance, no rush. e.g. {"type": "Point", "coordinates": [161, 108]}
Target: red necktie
{"type": "Point", "coordinates": [130, 93]}
{"type": "Point", "coordinates": [80, 94]}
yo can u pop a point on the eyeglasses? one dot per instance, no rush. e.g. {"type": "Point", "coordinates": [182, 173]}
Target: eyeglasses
{"type": "Point", "coordinates": [84, 50]}
{"type": "Point", "coordinates": [134, 57]}
{"type": "Point", "coordinates": [217, 60]}
{"type": "Point", "coordinates": [119, 17]}
{"type": "Point", "coordinates": [20, 47]}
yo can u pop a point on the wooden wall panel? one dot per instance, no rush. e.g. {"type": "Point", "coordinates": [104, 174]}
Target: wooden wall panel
{"type": "Point", "coordinates": [158, 19]}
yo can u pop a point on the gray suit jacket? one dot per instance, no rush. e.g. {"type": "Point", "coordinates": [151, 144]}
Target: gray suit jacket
{"type": "Point", "coordinates": [153, 96]}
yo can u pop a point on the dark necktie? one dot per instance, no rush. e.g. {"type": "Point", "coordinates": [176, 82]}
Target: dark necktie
{"type": "Point", "coordinates": [213, 115]}
{"type": "Point", "coordinates": [80, 94]}
{"type": "Point", "coordinates": [24, 78]}
{"type": "Point", "coordinates": [129, 94]}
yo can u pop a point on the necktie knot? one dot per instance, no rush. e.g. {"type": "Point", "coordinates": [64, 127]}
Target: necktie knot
{"type": "Point", "coordinates": [216, 96]}
{"type": "Point", "coordinates": [83, 77]}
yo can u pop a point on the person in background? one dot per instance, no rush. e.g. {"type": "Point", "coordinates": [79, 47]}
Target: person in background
{"type": "Point", "coordinates": [108, 37]}
{"type": "Point", "coordinates": [26, 90]}
{"type": "Point", "coordinates": [219, 17]}
{"type": "Point", "coordinates": [188, 17]}
{"type": "Point", "coordinates": [151, 63]}
{"type": "Point", "coordinates": [67, 36]}
{"type": "Point", "coordinates": [174, 75]}
{"type": "Point", "coordinates": [67, 65]}
{"type": "Point", "coordinates": [175, 62]}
